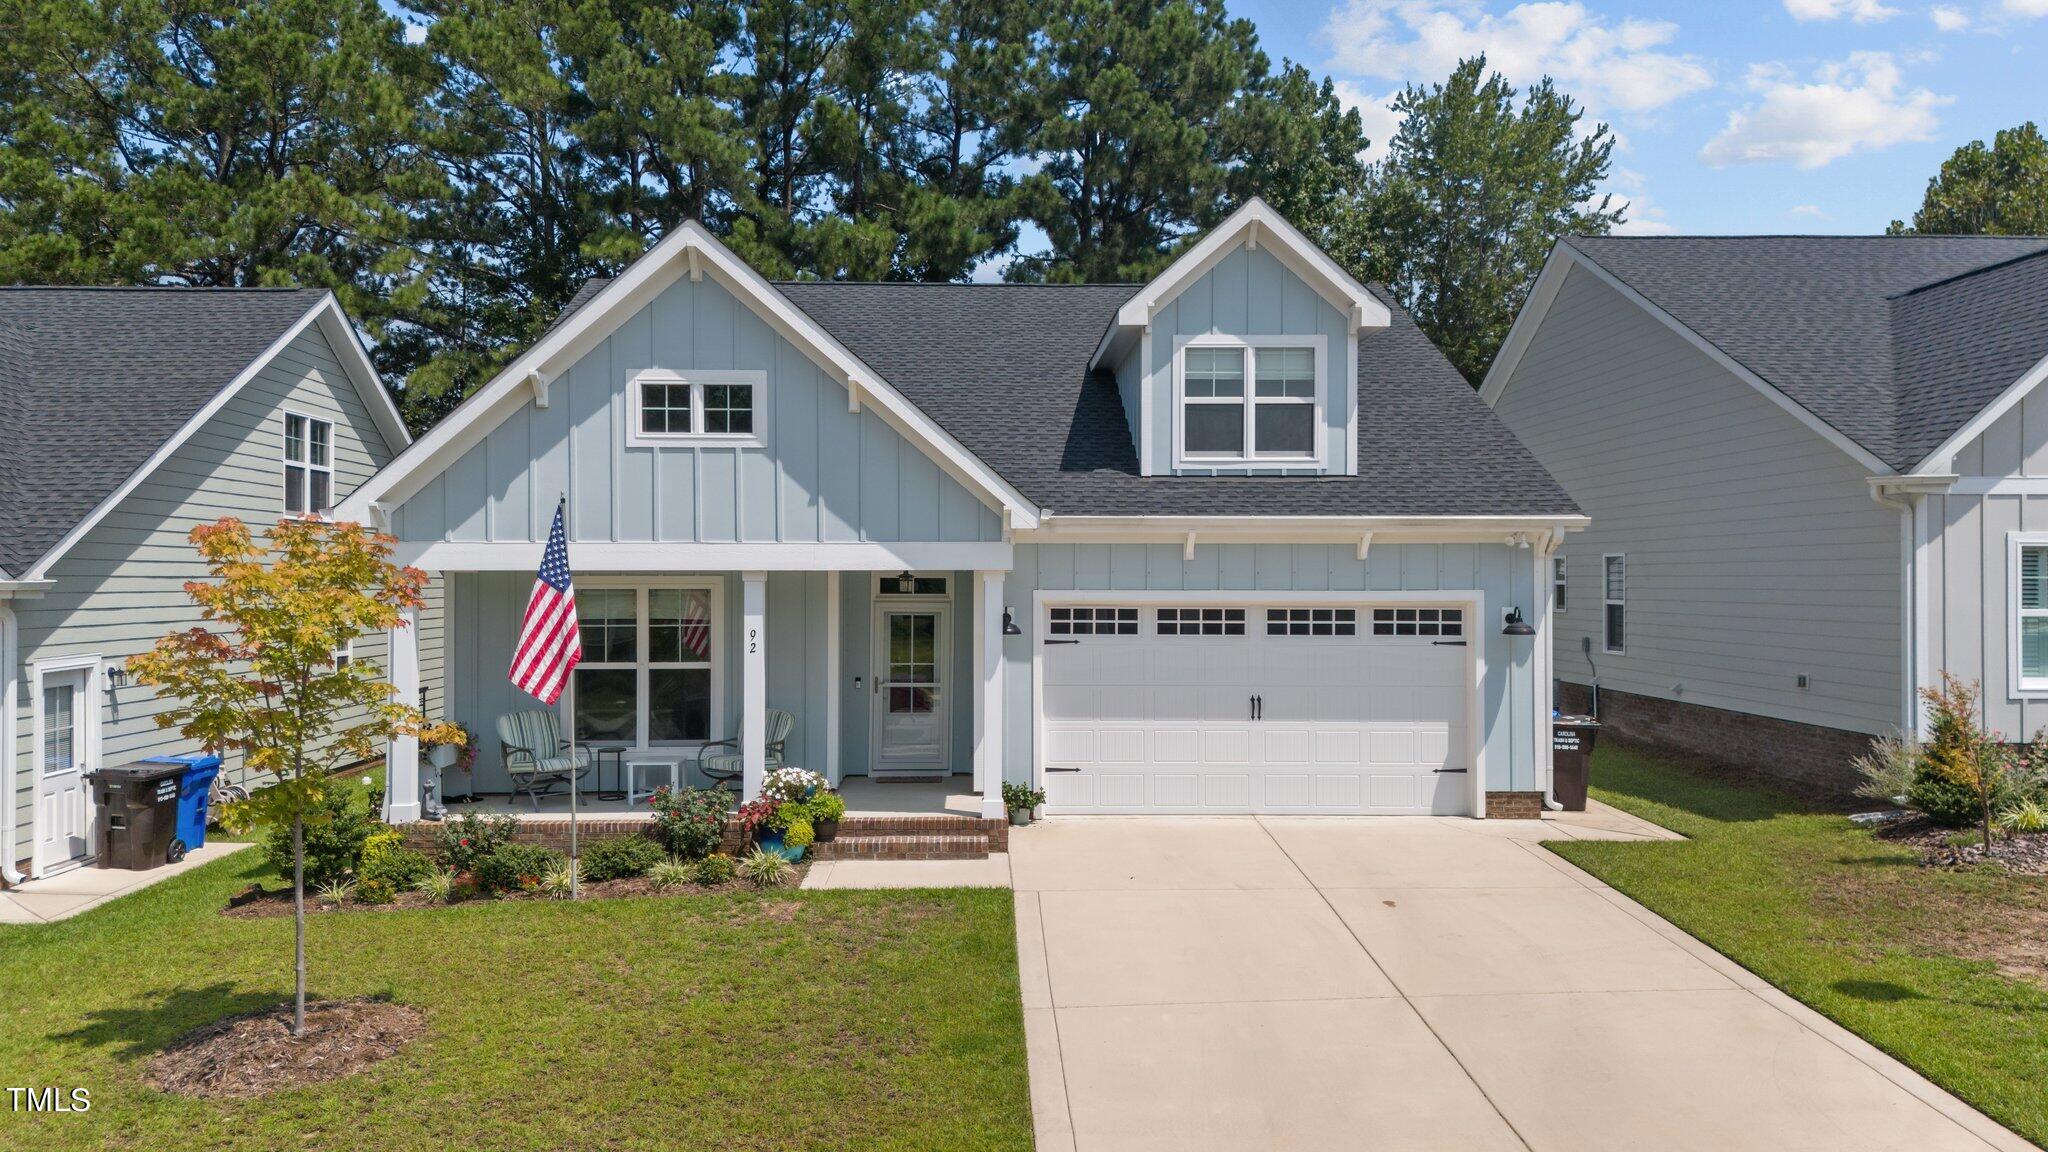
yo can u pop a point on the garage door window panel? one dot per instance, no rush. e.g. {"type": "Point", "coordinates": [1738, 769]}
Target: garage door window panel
{"type": "Point", "coordinates": [1418, 622]}
{"type": "Point", "coordinates": [1200, 621]}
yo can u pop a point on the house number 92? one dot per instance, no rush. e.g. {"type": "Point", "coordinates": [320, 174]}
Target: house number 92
{"type": "Point", "coordinates": [753, 639]}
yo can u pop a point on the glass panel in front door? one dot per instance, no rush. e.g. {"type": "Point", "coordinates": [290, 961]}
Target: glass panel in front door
{"type": "Point", "coordinates": [913, 662]}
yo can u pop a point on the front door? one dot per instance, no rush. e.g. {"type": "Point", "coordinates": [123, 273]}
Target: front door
{"type": "Point", "coordinates": [911, 705]}
{"type": "Point", "coordinates": [63, 805]}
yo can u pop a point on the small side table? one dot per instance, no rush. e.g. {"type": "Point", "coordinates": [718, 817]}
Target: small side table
{"type": "Point", "coordinates": [637, 759]}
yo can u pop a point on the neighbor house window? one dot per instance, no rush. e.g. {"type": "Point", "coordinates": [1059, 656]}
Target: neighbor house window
{"type": "Point", "coordinates": [669, 408]}
{"type": "Point", "coordinates": [308, 465]}
{"type": "Point", "coordinates": [1557, 585]}
{"type": "Point", "coordinates": [1246, 402]}
{"type": "Point", "coordinates": [647, 676]}
{"type": "Point", "coordinates": [1615, 595]}
{"type": "Point", "coordinates": [2030, 622]}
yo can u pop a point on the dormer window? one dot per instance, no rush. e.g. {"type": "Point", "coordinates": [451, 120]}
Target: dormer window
{"type": "Point", "coordinates": [701, 408]}
{"type": "Point", "coordinates": [1249, 402]}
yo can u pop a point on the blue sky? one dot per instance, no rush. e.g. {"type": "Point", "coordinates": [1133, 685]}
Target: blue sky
{"type": "Point", "coordinates": [1738, 116]}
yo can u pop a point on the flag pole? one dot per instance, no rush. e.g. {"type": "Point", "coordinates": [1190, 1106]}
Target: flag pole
{"type": "Point", "coordinates": [575, 865]}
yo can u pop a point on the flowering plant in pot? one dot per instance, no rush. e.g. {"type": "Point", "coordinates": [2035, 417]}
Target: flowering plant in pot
{"type": "Point", "coordinates": [779, 827]}
{"type": "Point", "coordinates": [1021, 800]}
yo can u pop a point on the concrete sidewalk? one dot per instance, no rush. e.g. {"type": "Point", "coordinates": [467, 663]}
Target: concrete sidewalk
{"type": "Point", "coordinates": [1397, 983]}
{"type": "Point", "coordinates": [66, 894]}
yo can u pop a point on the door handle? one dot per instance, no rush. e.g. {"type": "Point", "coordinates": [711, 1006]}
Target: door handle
{"type": "Point", "coordinates": [1062, 641]}
{"type": "Point", "coordinates": [1251, 707]}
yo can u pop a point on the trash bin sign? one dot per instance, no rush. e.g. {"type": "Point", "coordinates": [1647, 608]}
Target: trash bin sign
{"type": "Point", "coordinates": [1571, 759]}
{"type": "Point", "coordinates": [195, 788]}
{"type": "Point", "coordinates": [138, 814]}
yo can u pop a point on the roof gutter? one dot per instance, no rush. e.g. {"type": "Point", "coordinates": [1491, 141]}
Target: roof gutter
{"type": "Point", "coordinates": [24, 589]}
{"type": "Point", "coordinates": [1896, 492]}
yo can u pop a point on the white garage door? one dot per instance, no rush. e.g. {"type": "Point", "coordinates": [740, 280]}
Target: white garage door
{"type": "Point", "coordinates": [1267, 707]}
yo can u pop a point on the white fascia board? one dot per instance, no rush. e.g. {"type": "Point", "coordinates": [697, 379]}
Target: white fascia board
{"type": "Point", "coordinates": [1527, 321]}
{"type": "Point", "coordinates": [1942, 459]}
{"type": "Point", "coordinates": [1297, 529]}
{"type": "Point", "coordinates": [185, 432]}
{"type": "Point", "coordinates": [362, 372]}
{"type": "Point", "coordinates": [684, 556]}
{"type": "Point", "coordinates": [24, 590]}
{"type": "Point", "coordinates": [688, 247]}
{"type": "Point", "coordinates": [1800, 412]}
{"type": "Point", "coordinates": [1297, 252]}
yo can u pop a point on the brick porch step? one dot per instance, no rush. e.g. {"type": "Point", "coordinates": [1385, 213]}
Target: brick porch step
{"type": "Point", "coordinates": [903, 846]}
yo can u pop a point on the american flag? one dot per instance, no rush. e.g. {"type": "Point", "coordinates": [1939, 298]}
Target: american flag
{"type": "Point", "coordinates": [549, 644]}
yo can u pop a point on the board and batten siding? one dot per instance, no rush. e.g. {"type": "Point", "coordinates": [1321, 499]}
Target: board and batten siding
{"type": "Point", "coordinates": [1505, 575]}
{"type": "Point", "coordinates": [483, 627]}
{"type": "Point", "coordinates": [1755, 552]}
{"type": "Point", "coordinates": [826, 475]}
{"type": "Point", "coordinates": [1966, 568]}
{"type": "Point", "coordinates": [1249, 293]}
{"type": "Point", "coordinates": [121, 586]}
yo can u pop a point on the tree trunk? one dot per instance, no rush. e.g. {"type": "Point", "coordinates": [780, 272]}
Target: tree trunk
{"type": "Point", "coordinates": [299, 924]}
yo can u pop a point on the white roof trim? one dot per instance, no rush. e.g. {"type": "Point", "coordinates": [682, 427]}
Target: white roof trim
{"type": "Point", "coordinates": [688, 248]}
{"type": "Point", "coordinates": [341, 337]}
{"type": "Point", "coordinates": [1255, 223]}
{"type": "Point", "coordinates": [1942, 459]}
{"type": "Point", "coordinates": [1565, 257]}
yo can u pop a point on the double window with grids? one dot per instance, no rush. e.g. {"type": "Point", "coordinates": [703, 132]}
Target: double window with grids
{"type": "Point", "coordinates": [648, 673]}
{"type": "Point", "coordinates": [705, 408]}
{"type": "Point", "coordinates": [1252, 402]}
{"type": "Point", "coordinates": [308, 466]}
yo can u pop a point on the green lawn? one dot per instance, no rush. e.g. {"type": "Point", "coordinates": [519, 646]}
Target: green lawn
{"type": "Point", "coordinates": [777, 1020]}
{"type": "Point", "coordinates": [1942, 969]}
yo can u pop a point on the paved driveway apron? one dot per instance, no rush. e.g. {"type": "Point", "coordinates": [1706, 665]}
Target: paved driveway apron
{"type": "Point", "coordinates": [1392, 983]}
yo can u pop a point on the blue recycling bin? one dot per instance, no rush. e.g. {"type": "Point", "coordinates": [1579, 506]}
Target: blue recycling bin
{"type": "Point", "coordinates": [194, 789]}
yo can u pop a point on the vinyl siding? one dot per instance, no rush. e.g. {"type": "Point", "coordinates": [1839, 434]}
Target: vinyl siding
{"type": "Point", "coordinates": [826, 474]}
{"type": "Point", "coordinates": [1505, 575]}
{"type": "Point", "coordinates": [120, 587]}
{"type": "Point", "coordinates": [1249, 293]}
{"type": "Point", "coordinates": [1755, 552]}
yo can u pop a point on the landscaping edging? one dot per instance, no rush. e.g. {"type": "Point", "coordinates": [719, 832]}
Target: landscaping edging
{"type": "Point", "coordinates": [553, 832]}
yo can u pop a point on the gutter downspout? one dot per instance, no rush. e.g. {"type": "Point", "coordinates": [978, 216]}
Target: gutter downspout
{"type": "Point", "coordinates": [1906, 495]}
{"type": "Point", "coordinates": [1541, 660]}
{"type": "Point", "coordinates": [10, 689]}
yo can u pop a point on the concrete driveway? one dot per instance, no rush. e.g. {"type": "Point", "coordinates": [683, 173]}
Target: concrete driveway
{"type": "Point", "coordinates": [1387, 983]}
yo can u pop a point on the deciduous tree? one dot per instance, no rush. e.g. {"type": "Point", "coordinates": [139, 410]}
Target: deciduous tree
{"type": "Point", "coordinates": [2000, 191]}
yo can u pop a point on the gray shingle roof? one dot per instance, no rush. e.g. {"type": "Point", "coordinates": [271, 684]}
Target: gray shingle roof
{"type": "Point", "coordinates": [1004, 369]}
{"type": "Point", "coordinates": [1833, 321]}
{"type": "Point", "coordinates": [94, 380]}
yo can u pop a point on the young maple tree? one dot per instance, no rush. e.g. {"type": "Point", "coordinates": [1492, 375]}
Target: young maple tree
{"type": "Point", "coordinates": [261, 678]}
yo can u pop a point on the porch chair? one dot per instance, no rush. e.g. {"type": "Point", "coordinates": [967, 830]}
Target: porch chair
{"type": "Point", "coordinates": [536, 756]}
{"type": "Point", "coordinates": [721, 760]}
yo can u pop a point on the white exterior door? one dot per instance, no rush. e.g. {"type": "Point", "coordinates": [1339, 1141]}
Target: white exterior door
{"type": "Point", "coordinates": [1266, 706]}
{"type": "Point", "coordinates": [912, 705]}
{"type": "Point", "coordinates": [63, 747]}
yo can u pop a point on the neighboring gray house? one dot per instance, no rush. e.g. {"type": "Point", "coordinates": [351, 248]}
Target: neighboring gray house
{"type": "Point", "coordinates": [1235, 540]}
{"type": "Point", "coordinates": [1817, 469]}
{"type": "Point", "coordinates": [127, 417]}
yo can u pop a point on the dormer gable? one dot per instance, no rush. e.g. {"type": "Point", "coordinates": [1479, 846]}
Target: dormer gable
{"type": "Point", "coordinates": [1241, 356]}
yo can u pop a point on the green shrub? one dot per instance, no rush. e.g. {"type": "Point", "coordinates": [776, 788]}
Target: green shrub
{"type": "Point", "coordinates": [800, 834]}
{"type": "Point", "coordinates": [673, 873]}
{"type": "Point", "coordinates": [690, 821]}
{"type": "Point", "coordinates": [516, 867]}
{"type": "Point", "coordinates": [465, 841]}
{"type": "Point", "coordinates": [766, 869]}
{"type": "Point", "coordinates": [618, 859]}
{"type": "Point", "coordinates": [334, 841]}
{"type": "Point", "coordinates": [1943, 799]}
{"type": "Point", "coordinates": [395, 867]}
{"type": "Point", "coordinates": [826, 806]}
{"type": "Point", "coordinates": [1016, 796]}
{"type": "Point", "coordinates": [375, 890]}
{"type": "Point", "coordinates": [715, 869]}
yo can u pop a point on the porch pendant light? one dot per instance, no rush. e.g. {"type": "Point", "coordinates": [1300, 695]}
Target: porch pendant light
{"type": "Point", "coordinates": [1516, 626]}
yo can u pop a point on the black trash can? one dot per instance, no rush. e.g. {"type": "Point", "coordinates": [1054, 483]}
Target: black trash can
{"type": "Point", "coordinates": [1571, 759]}
{"type": "Point", "coordinates": [138, 815]}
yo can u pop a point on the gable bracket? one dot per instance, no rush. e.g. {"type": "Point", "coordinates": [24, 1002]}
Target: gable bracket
{"type": "Point", "coordinates": [1364, 545]}
{"type": "Point", "coordinates": [539, 384]}
{"type": "Point", "coordinates": [1187, 547]}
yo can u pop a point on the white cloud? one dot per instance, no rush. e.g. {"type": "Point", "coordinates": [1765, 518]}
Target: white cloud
{"type": "Point", "coordinates": [415, 32]}
{"type": "Point", "coordinates": [1861, 11]}
{"type": "Point", "coordinates": [1949, 19]}
{"type": "Point", "coordinates": [1623, 65]}
{"type": "Point", "coordinates": [1809, 210]}
{"type": "Point", "coordinates": [1380, 119]}
{"type": "Point", "coordinates": [1645, 218]}
{"type": "Point", "coordinates": [2029, 8]}
{"type": "Point", "coordinates": [1857, 104]}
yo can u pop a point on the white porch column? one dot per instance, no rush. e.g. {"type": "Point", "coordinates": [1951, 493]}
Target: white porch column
{"type": "Point", "coordinates": [988, 694]}
{"type": "Point", "coordinates": [753, 681]}
{"type": "Point", "coordinates": [832, 671]}
{"type": "Point", "coordinates": [402, 759]}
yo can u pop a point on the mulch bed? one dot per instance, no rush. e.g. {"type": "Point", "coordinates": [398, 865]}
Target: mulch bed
{"type": "Point", "coordinates": [259, 903]}
{"type": "Point", "coordinates": [256, 1054]}
{"type": "Point", "coordinates": [2023, 853]}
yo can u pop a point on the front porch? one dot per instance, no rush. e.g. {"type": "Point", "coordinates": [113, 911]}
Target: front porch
{"type": "Point", "coordinates": [892, 684]}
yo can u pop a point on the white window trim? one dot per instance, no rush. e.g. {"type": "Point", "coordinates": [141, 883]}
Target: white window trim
{"type": "Point", "coordinates": [91, 664]}
{"type": "Point", "coordinates": [343, 653]}
{"type": "Point", "coordinates": [698, 380]}
{"type": "Point", "coordinates": [2020, 686]}
{"type": "Point", "coordinates": [306, 466]}
{"type": "Point", "coordinates": [1320, 345]}
{"type": "Point", "coordinates": [713, 591]}
{"type": "Point", "coordinates": [1607, 644]}
{"type": "Point", "coordinates": [876, 593]}
{"type": "Point", "coordinates": [1558, 584]}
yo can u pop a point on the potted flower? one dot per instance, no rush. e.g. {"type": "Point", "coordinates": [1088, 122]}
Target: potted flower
{"type": "Point", "coordinates": [827, 809]}
{"type": "Point", "coordinates": [1021, 800]}
{"type": "Point", "coordinates": [780, 828]}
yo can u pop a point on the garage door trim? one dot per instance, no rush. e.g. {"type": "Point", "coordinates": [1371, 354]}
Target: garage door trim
{"type": "Point", "coordinates": [1477, 634]}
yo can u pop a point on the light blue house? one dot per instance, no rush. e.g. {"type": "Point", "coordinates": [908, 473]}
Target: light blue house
{"type": "Point", "coordinates": [1235, 540]}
